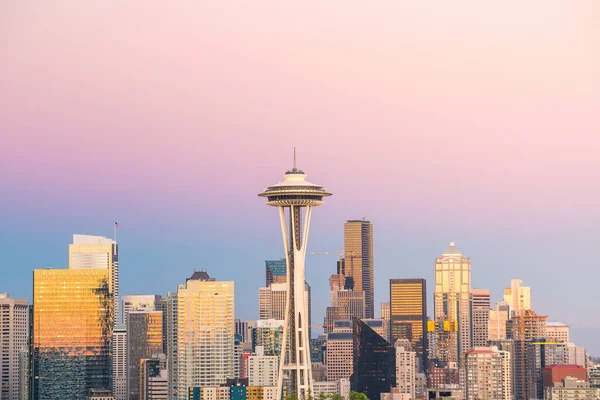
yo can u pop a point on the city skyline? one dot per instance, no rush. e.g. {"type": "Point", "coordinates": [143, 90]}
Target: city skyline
{"type": "Point", "coordinates": [499, 118]}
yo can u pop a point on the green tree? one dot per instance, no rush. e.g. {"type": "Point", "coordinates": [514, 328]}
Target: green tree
{"type": "Point", "coordinates": [358, 396]}
{"type": "Point", "coordinates": [336, 396]}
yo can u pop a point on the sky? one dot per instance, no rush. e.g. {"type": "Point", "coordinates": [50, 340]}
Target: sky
{"type": "Point", "coordinates": [462, 121]}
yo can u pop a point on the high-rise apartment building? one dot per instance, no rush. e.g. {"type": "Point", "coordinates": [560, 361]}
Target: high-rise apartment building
{"type": "Point", "coordinates": [480, 314]}
{"type": "Point", "coordinates": [557, 331]}
{"type": "Point", "coordinates": [359, 265]}
{"type": "Point", "coordinates": [268, 334]}
{"type": "Point", "coordinates": [338, 356]}
{"type": "Point", "coordinates": [452, 297]}
{"type": "Point", "coordinates": [205, 336]}
{"type": "Point", "coordinates": [406, 368]}
{"type": "Point", "coordinates": [98, 252]}
{"type": "Point", "coordinates": [119, 362]}
{"type": "Point", "coordinates": [408, 314]}
{"type": "Point", "coordinates": [518, 297]}
{"type": "Point", "coordinates": [72, 332]}
{"type": "Point", "coordinates": [374, 358]}
{"type": "Point", "coordinates": [144, 340]}
{"type": "Point", "coordinates": [262, 370]}
{"type": "Point", "coordinates": [487, 374]}
{"type": "Point", "coordinates": [14, 332]}
{"type": "Point", "coordinates": [141, 302]}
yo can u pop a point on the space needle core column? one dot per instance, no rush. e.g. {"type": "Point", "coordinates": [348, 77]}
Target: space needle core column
{"type": "Point", "coordinates": [295, 197]}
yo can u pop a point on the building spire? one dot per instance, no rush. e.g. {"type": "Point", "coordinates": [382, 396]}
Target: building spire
{"type": "Point", "coordinates": [294, 157]}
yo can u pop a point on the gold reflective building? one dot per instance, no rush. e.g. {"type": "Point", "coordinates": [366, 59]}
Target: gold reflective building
{"type": "Point", "coordinates": [144, 340]}
{"type": "Point", "coordinates": [408, 314]}
{"type": "Point", "coordinates": [358, 247]}
{"type": "Point", "coordinates": [72, 331]}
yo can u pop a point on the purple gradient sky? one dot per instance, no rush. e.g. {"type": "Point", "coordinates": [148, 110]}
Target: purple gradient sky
{"type": "Point", "coordinates": [463, 121]}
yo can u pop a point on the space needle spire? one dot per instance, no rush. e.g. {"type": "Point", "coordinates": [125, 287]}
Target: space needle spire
{"type": "Point", "coordinates": [294, 198]}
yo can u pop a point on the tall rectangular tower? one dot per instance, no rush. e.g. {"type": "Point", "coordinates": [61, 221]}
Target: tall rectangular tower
{"type": "Point", "coordinates": [141, 302]}
{"type": "Point", "coordinates": [72, 332]}
{"type": "Point", "coordinates": [13, 341]}
{"type": "Point", "coordinates": [119, 362]}
{"type": "Point", "coordinates": [452, 298]}
{"type": "Point", "coordinates": [408, 314]}
{"type": "Point", "coordinates": [480, 303]}
{"type": "Point", "coordinates": [205, 333]}
{"type": "Point", "coordinates": [358, 247]}
{"type": "Point", "coordinates": [93, 252]}
{"type": "Point", "coordinates": [144, 340]}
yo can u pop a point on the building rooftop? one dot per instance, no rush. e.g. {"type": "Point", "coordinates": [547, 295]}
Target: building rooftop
{"type": "Point", "coordinates": [200, 276]}
{"type": "Point", "coordinates": [89, 239]}
{"type": "Point", "coordinates": [340, 336]}
{"type": "Point", "coordinates": [556, 324]}
{"type": "Point", "coordinates": [452, 250]}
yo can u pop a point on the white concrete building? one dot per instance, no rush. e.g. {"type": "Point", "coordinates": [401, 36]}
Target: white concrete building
{"type": "Point", "coordinates": [486, 372]}
{"type": "Point", "coordinates": [262, 370]}
{"type": "Point", "coordinates": [341, 387]}
{"type": "Point", "coordinates": [339, 356]}
{"type": "Point", "coordinates": [14, 333]}
{"type": "Point", "coordinates": [120, 362]}
{"type": "Point", "coordinates": [406, 369]}
{"type": "Point", "coordinates": [571, 389]}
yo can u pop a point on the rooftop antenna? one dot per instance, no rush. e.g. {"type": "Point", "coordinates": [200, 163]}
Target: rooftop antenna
{"type": "Point", "coordinates": [294, 157]}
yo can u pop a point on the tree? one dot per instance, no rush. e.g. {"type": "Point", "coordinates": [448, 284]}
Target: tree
{"type": "Point", "coordinates": [291, 397]}
{"type": "Point", "coordinates": [336, 396]}
{"type": "Point", "coordinates": [358, 396]}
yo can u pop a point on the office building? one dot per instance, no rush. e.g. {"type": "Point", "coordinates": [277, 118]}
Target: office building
{"type": "Point", "coordinates": [406, 368]}
{"type": "Point", "coordinates": [380, 326]}
{"type": "Point", "coordinates": [442, 337]}
{"type": "Point", "coordinates": [275, 271]}
{"type": "Point", "coordinates": [295, 197]}
{"type": "Point", "coordinates": [452, 295]}
{"type": "Point", "coordinates": [205, 337]}
{"type": "Point", "coordinates": [487, 374]}
{"type": "Point", "coordinates": [243, 330]}
{"type": "Point", "coordinates": [14, 331]}
{"type": "Point", "coordinates": [340, 387]}
{"type": "Point", "coordinates": [553, 374]}
{"type": "Point", "coordinates": [358, 245]}
{"type": "Point", "coordinates": [339, 356]}
{"type": "Point", "coordinates": [153, 378]}
{"type": "Point", "coordinates": [571, 389]}
{"type": "Point", "coordinates": [172, 317]}
{"type": "Point", "coordinates": [98, 252]}
{"type": "Point", "coordinates": [480, 313]}
{"type": "Point", "coordinates": [144, 340]}
{"type": "Point", "coordinates": [576, 355]}
{"type": "Point", "coordinates": [268, 334]}
{"type": "Point", "coordinates": [346, 304]}
{"type": "Point", "coordinates": [408, 315]}
{"type": "Point", "coordinates": [262, 369]}
{"type": "Point", "coordinates": [119, 362]}
{"type": "Point", "coordinates": [518, 297]}
{"type": "Point", "coordinates": [72, 332]}
{"type": "Point", "coordinates": [141, 302]}
{"type": "Point", "coordinates": [385, 310]}
{"type": "Point", "coordinates": [497, 322]}
{"type": "Point", "coordinates": [374, 358]}
{"type": "Point", "coordinates": [557, 331]}
{"type": "Point", "coordinates": [99, 394]}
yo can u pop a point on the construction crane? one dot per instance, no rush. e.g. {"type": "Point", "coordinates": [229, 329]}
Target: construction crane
{"type": "Point", "coordinates": [342, 255]}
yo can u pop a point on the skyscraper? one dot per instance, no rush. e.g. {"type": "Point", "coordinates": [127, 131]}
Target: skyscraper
{"type": "Point", "coordinates": [518, 297]}
{"type": "Point", "coordinates": [487, 373]}
{"type": "Point", "coordinates": [295, 198]}
{"type": "Point", "coordinates": [497, 321]}
{"type": "Point", "coordinates": [385, 310]}
{"type": "Point", "coordinates": [141, 302]}
{"type": "Point", "coordinates": [172, 311]}
{"type": "Point", "coordinates": [275, 271]}
{"type": "Point", "coordinates": [480, 304]}
{"type": "Point", "coordinates": [119, 361]}
{"type": "Point", "coordinates": [358, 246]}
{"type": "Point", "coordinates": [374, 359]}
{"type": "Point", "coordinates": [91, 252]}
{"type": "Point", "coordinates": [408, 314]}
{"type": "Point", "coordinates": [272, 301]}
{"type": "Point", "coordinates": [338, 355]}
{"type": "Point", "coordinates": [144, 340]}
{"type": "Point", "coordinates": [406, 368]}
{"type": "Point", "coordinates": [153, 378]}
{"type": "Point", "coordinates": [205, 333]}
{"type": "Point", "coordinates": [72, 332]}
{"type": "Point", "coordinates": [453, 293]}
{"type": "Point", "coordinates": [13, 341]}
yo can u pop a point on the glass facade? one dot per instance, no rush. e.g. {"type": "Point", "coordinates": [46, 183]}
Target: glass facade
{"type": "Point", "coordinates": [408, 314]}
{"type": "Point", "coordinates": [144, 340]}
{"type": "Point", "coordinates": [276, 271]}
{"type": "Point", "coordinates": [374, 357]}
{"type": "Point", "coordinates": [72, 332]}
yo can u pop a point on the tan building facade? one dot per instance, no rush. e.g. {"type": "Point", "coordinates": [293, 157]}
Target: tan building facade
{"type": "Point", "coordinates": [487, 374]}
{"type": "Point", "coordinates": [359, 263]}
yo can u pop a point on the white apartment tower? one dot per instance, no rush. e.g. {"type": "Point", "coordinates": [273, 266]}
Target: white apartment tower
{"type": "Point", "coordinates": [97, 252]}
{"type": "Point", "coordinates": [487, 374]}
{"type": "Point", "coordinates": [13, 341]}
{"type": "Point", "coordinates": [406, 368]}
{"type": "Point", "coordinates": [205, 333]}
{"type": "Point", "coordinates": [262, 370]}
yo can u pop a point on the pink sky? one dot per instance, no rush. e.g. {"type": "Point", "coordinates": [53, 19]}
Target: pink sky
{"type": "Point", "coordinates": [437, 118]}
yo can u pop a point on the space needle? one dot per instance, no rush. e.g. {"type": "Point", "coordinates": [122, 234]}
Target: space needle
{"type": "Point", "coordinates": [294, 198]}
